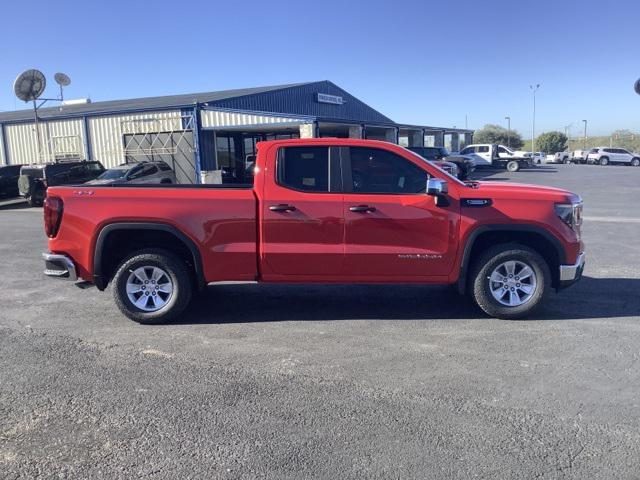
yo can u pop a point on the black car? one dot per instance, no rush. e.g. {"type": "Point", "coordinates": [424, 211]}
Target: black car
{"type": "Point", "coordinates": [34, 179]}
{"type": "Point", "coordinates": [9, 180]}
{"type": "Point", "coordinates": [433, 154]}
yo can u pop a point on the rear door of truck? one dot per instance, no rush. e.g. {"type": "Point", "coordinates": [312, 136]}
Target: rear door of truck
{"type": "Point", "coordinates": [301, 212]}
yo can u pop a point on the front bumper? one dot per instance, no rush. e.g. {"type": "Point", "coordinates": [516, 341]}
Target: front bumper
{"type": "Point", "coordinates": [570, 274]}
{"type": "Point", "coordinates": [59, 266]}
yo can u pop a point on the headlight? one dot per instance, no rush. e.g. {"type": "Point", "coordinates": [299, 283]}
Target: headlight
{"type": "Point", "coordinates": [570, 213]}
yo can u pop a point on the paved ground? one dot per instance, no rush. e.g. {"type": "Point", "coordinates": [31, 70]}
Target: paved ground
{"type": "Point", "coordinates": [329, 382]}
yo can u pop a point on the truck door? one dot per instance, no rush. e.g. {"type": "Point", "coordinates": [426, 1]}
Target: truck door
{"type": "Point", "coordinates": [393, 229]}
{"type": "Point", "coordinates": [302, 218]}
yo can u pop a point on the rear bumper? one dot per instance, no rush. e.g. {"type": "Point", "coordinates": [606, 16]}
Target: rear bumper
{"type": "Point", "coordinates": [570, 274]}
{"type": "Point", "coordinates": [59, 266]}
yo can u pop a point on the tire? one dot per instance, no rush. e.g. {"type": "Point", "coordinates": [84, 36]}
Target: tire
{"type": "Point", "coordinates": [34, 202]}
{"type": "Point", "coordinates": [513, 166]}
{"type": "Point", "coordinates": [175, 273]}
{"type": "Point", "coordinates": [604, 161]}
{"type": "Point", "coordinates": [493, 260]}
{"type": "Point", "coordinates": [635, 162]}
{"type": "Point", "coordinates": [566, 161]}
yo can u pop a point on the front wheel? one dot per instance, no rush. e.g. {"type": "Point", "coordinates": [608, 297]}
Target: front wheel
{"type": "Point", "coordinates": [635, 162]}
{"type": "Point", "coordinates": [152, 286]}
{"type": "Point", "coordinates": [510, 281]}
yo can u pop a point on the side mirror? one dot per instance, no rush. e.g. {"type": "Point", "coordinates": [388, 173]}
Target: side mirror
{"type": "Point", "coordinates": [436, 187]}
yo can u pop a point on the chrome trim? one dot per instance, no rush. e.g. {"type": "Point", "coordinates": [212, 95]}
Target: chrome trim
{"type": "Point", "coordinates": [571, 272]}
{"type": "Point", "coordinates": [64, 266]}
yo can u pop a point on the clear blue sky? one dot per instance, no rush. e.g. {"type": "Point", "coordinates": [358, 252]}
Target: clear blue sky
{"type": "Point", "coordinates": [420, 62]}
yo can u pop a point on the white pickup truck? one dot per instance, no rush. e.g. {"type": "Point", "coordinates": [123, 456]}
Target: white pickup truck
{"type": "Point", "coordinates": [494, 155]}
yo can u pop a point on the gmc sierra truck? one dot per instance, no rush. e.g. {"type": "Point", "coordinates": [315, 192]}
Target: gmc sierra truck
{"type": "Point", "coordinates": [324, 211]}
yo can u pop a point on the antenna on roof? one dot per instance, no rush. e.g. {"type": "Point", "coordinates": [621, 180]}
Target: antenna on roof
{"type": "Point", "coordinates": [29, 87]}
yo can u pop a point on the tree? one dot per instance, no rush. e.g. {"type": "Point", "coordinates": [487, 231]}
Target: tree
{"type": "Point", "coordinates": [551, 142]}
{"type": "Point", "coordinates": [497, 134]}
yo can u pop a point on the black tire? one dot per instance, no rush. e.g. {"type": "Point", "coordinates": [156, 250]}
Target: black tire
{"type": "Point", "coordinates": [491, 259]}
{"type": "Point", "coordinates": [180, 276]}
{"type": "Point", "coordinates": [35, 201]}
{"type": "Point", "coordinates": [604, 161]}
{"type": "Point", "coordinates": [635, 162]}
{"type": "Point", "coordinates": [566, 161]}
{"type": "Point", "coordinates": [513, 166]}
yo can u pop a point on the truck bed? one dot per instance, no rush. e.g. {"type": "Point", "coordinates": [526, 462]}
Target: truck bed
{"type": "Point", "coordinates": [219, 220]}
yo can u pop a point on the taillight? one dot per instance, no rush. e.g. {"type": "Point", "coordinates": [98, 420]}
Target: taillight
{"type": "Point", "coordinates": [52, 215]}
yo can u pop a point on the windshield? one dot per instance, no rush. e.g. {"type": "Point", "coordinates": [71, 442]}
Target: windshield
{"type": "Point", "coordinates": [445, 174]}
{"type": "Point", "coordinates": [112, 174]}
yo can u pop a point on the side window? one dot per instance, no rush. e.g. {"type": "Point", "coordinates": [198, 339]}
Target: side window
{"type": "Point", "coordinates": [502, 150]}
{"type": "Point", "coordinates": [164, 167]}
{"type": "Point", "coordinates": [482, 149]}
{"type": "Point", "coordinates": [304, 168]}
{"type": "Point", "coordinates": [467, 151]}
{"type": "Point", "coordinates": [380, 171]}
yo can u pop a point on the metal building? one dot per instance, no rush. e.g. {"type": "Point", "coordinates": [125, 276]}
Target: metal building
{"type": "Point", "coordinates": [213, 132]}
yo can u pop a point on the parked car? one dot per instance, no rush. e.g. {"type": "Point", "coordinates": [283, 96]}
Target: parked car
{"type": "Point", "coordinates": [464, 163]}
{"type": "Point", "coordinates": [563, 157]}
{"type": "Point", "coordinates": [374, 213]}
{"type": "Point", "coordinates": [538, 157]}
{"type": "Point", "coordinates": [488, 155]}
{"type": "Point", "coordinates": [608, 155]}
{"type": "Point", "coordinates": [35, 179]}
{"type": "Point", "coordinates": [579, 156]}
{"type": "Point", "coordinates": [9, 180]}
{"type": "Point", "coordinates": [136, 172]}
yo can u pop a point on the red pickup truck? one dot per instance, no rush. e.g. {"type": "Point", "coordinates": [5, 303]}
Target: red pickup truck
{"type": "Point", "coordinates": [322, 210]}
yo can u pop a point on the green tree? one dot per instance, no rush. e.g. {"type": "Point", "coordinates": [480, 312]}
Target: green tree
{"type": "Point", "coordinates": [497, 134]}
{"type": "Point", "coordinates": [551, 142]}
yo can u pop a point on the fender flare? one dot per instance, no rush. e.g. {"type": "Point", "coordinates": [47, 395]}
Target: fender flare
{"type": "Point", "coordinates": [98, 277]}
{"type": "Point", "coordinates": [471, 239]}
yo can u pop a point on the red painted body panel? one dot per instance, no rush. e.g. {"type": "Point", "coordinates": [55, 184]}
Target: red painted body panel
{"type": "Point", "coordinates": [407, 239]}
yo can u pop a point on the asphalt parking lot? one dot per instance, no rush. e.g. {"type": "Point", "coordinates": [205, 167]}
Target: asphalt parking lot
{"type": "Point", "coordinates": [329, 381]}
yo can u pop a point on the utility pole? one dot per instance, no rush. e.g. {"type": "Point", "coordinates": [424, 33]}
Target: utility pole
{"type": "Point", "coordinates": [567, 133]}
{"type": "Point", "coordinates": [508, 119]}
{"type": "Point", "coordinates": [533, 125]}
{"type": "Point", "coordinates": [584, 141]}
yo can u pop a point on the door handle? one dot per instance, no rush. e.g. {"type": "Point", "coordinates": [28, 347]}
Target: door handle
{"type": "Point", "coordinates": [283, 207]}
{"type": "Point", "coordinates": [362, 208]}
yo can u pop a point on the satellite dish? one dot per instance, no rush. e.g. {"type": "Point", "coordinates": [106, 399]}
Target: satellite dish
{"type": "Point", "coordinates": [636, 87]}
{"type": "Point", "coordinates": [29, 85]}
{"type": "Point", "coordinates": [62, 79]}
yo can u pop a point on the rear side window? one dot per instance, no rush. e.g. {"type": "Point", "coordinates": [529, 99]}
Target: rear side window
{"type": "Point", "coordinates": [467, 150]}
{"type": "Point", "coordinates": [304, 168]}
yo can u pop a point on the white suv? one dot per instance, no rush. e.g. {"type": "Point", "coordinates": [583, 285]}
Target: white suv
{"type": "Point", "coordinates": [606, 156]}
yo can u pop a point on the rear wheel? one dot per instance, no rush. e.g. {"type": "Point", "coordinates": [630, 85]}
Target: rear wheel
{"type": "Point", "coordinates": [152, 286]}
{"type": "Point", "coordinates": [566, 161]}
{"type": "Point", "coordinates": [513, 166]}
{"type": "Point", "coordinates": [635, 162]}
{"type": "Point", "coordinates": [604, 161]}
{"type": "Point", "coordinates": [510, 281]}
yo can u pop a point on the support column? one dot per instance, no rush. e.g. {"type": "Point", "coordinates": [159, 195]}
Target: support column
{"type": "Point", "coordinates": [3, 144]}
{"type": "Point", "coordinates": [438, 139]}
{"type": "Point", "coordinates": [468, 138]}
{"type": "Point", "coordinates": [416, 138]}
{"type": "Point", "coordinates": [307, 130]}
{"type": "Point", "coordinates": [455, 142]}
{"type": "Point", "coordinates": [197, 127]}
{"type": "Point", "coordinates": [356, 131]}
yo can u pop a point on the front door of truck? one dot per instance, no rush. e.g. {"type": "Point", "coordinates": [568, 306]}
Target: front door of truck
{"type": "Point", "coordinates": [393, 229]}
{"type": "Point", "coordinates": [302, 219]}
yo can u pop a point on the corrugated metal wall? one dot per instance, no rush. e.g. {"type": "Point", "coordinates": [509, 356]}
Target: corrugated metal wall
{"type": "Point", "coordinates": [107, 133]}
{"type": "Point", "coordinates": [3, 161]}
{"type": "Point", "coordinates": [217, 118]}
{"type": "Point", "coordinates": [59, 138]}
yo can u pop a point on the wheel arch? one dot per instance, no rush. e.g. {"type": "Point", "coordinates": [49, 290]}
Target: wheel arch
{"type": "Point", "coordinates": [103, 270]}
{"type": "Point", "coordinates": [532, 236]}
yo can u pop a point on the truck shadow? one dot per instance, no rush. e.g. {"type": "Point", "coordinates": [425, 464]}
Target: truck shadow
{"type": "Point", "coordinates": [250, 303]}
